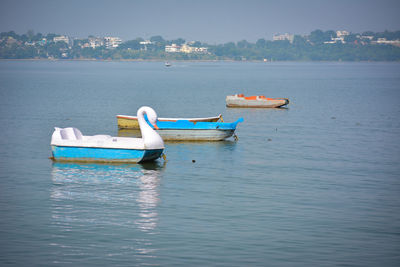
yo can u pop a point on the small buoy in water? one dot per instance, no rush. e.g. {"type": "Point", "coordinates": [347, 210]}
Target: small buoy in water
{"type": "Point", "coordinates": [193, 161]}
{"type": "Point", "coordinates": [333, 118]}
{"type": "Point", "coordinates": [269, 139]}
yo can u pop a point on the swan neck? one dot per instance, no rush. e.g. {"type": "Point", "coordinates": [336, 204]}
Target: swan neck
{"type": "Point", "coordinates": [144, 126]}
{"type": "Point", "coordinates": [151, 139]}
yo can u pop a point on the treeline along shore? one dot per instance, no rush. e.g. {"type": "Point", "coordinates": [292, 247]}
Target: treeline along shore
{"type": "Point", "coordinates": [317, 46]}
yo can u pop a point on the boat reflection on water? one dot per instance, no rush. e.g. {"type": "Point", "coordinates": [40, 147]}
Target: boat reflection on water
{"type": "Point", "coordinates": [105, 201]}
{"type": "Point", "coordinates": [148, 199]}
{"type": "Point", "coordinates": [129, 185]}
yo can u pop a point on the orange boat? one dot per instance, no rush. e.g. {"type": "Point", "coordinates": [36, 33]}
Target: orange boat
{"type": "Point", "coordinates": [257, 101]}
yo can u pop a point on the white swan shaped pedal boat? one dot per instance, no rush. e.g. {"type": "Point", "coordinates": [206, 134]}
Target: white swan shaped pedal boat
{"type": "Point", "coordinates": [68, 144]}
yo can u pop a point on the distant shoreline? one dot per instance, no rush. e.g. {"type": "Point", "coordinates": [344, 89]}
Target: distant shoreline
{"type": "Point", "coordinates": [194, 61]}
{"type": "Point", "coordinates": [318, 46]}
{"type": "Point", "coordinates": [124, 60]}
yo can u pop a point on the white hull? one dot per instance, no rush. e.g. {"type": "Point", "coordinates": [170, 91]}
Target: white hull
{"type": "Point", "coordinates": [195, 135]}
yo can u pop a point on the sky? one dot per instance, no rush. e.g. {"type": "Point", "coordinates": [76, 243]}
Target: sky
{"type": "Point", "coordinates": [209, 21]}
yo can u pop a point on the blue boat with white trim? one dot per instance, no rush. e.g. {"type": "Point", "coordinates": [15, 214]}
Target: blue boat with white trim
{"type": "Point", "coordinates": [184, 130]}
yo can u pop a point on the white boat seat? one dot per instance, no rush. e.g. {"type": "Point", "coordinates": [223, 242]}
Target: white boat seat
{"type": "Point", "coordinates": [71, 133]}
{"type": "Point", "coordinates": [78, 134]}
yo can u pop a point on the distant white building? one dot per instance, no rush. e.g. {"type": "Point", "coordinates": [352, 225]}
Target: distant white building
{"type": "Point", "coordinates": [340, 35]}
{"type": "Point", "coordinates": [112, 42]}
{"type": "Point", "coordinates": [95, 42]}
{"type": "Point", "coordinates": [367, 37]}
{"type": "Point", "coordinates": [335, 40]}
{"type": "Point", "coordinates": [174, 48]}
{"type": "Point", "coordinates": [185, 48]}
{"type": "Point", "coordinates": [203, 50]}
{"type": "Point", "coordinates": [390, 42]}
{"type": "Point", "coordinates": [61, 38]}
{"type": "Point", "coordinates": [283, 37]}
{"type": "Point", "coordinates": [146, 42]}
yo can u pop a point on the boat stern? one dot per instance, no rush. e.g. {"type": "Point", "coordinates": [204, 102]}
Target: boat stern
{"type": "Point", "coordinates": [152, 154]}
{"type": "Point", "coordinates": [127, 122]}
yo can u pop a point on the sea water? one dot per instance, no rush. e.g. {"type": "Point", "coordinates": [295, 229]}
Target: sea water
{"type": "Point", "coordinates": [314, 184]}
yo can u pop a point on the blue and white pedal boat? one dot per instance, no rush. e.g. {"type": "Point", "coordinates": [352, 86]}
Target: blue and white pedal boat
{"type": "Point", "coordinates": [184, 130]}
{"type": "Point", "coordinates": [68, 144]}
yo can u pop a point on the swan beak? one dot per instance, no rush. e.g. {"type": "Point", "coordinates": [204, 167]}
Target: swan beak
{"type": "Point", "coordinates": [156, 127]}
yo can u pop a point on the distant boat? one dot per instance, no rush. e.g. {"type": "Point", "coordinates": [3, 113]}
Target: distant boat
{"type": "Point", "coordinates": [167, 64]}
{"type": "Point", "coordinates": [131, 122]}
{"type": "Point", "coordinates": [68, 144]}
{"type": "Point", "coordinates": [241, 101]}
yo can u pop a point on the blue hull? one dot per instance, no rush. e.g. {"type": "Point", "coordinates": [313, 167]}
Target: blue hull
{"type": "Point", "coordinates": [188, 125]}
{"type": "Point", "coordinates": [94, 154]}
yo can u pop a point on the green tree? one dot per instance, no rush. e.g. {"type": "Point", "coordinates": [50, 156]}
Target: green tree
{"type": "Point", "coordinates": [299, 41]}
{"type": "Point", "coordinates": [351, 38]}
{"type": "Point", "coordinates": [37, 37]}
{"type": "Point", "coordinates": [157, 39]}
{"type": "Point", "coordinates": [197, 44]}
{"type": "Point", "coordinates": [261, 43]}
{"type": "Point", "coordinates": [243, 44]}
{"type": "Point", "coordinates": [30, 34]}
{"type": "Point", "coordinates": [50, 37]}
{"type": "Point", "coordinates": [319, 37]}
{"type": "Point", "coordinates": [133, 44]}
{"type": "Point", "coordinates": [178, 41]}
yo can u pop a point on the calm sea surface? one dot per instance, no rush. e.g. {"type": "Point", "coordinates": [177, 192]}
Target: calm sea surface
{"type": "Point", "coordinates": [317, 184]}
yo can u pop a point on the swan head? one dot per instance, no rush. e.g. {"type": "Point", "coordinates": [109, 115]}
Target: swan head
{"type": "Point", "coordinates": [151, 115]}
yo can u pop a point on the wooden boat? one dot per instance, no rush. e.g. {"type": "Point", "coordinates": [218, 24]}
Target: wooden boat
{"type": "Point", "coordinates": [69, 144]}
{"type": "Point", "coordinates": [241, 101]}
{"type": "Point", "coordinates": [184, 130]}
{"type": "Point", "coordinates": [131, 122]}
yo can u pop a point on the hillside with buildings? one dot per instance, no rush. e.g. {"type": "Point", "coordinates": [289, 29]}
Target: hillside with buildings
{"type": "Point", "coordinates": [318, 45]}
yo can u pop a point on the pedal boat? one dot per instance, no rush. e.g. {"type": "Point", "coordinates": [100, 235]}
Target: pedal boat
{"type": "Point", "coordinates": [68, 144]}
{"type": "Point", "coordinates": [241, 101]}
{"type": "Point", "coordinates": [131, 122]}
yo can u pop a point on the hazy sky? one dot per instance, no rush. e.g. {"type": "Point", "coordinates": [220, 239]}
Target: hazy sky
{"type": "Point", "coordinates": [211, 21]}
